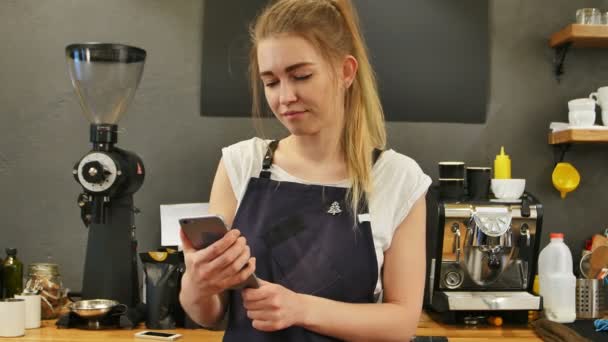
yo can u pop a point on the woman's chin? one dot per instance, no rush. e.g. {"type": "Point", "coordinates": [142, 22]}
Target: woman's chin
{"type": "Point", "coordinates": [302, 131]}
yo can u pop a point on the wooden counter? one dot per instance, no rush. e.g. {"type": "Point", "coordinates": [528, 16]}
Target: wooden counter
{"type": "Point", "coordinates": [427, 327]}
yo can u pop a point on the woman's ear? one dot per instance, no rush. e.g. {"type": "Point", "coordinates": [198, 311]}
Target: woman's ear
{"type": "Point", "coordinates": [349, 70]}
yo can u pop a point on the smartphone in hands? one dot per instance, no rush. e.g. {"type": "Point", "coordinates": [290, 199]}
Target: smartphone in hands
{"type": "Point", "coordinates": [206, 230]}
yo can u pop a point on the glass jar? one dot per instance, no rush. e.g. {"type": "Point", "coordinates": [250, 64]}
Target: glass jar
{"type": "Point", "coordinates": [588, 16]}
{"type": "Point", "coordinates": [44, 279]}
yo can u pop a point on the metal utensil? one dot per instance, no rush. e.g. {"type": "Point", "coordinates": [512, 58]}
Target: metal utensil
{"type": "Point", "coordinates": [93, 308]}
{"type": "Point", "coordinates": [598, 261]}
{"type": "Point", "coordinates": [584, 265]}
{"type": "Point", "coordinates": [591, 264]}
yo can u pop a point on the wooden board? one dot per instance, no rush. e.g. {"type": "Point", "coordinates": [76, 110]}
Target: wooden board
{"type": "Point", "coordinates": [426, 327]}
{"type": "Point", "coordinates": [581, 36]}
{"type": "Point", "coordinates": [578, 136]}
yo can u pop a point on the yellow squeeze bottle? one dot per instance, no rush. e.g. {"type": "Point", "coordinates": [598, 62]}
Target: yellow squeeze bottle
{"type": "Point", "coordinates": [502, 165]}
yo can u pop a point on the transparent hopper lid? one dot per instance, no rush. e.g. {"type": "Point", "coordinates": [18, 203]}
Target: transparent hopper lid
{"type": "Point", "coordinates": [105, 77]}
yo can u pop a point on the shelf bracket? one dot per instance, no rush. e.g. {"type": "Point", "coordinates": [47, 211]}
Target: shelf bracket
{"type": "Point", "coordinates": [559, 58]}
{"type": "Point", "coordinates": [559, 152]}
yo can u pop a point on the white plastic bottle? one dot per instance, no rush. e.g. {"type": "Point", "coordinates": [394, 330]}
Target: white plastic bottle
{"type": "Point", "coordinates": [556, 281]}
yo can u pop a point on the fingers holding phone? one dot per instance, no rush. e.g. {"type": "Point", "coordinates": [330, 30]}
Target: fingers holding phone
{"type": "Point", "coordinates": [206, 254]}
{"type": "Point", "coordinates": [224, 267]}
{"type": "Point", "coordinates": [216, 258]}
{"type": "Point", "coordinates": [233, 259]}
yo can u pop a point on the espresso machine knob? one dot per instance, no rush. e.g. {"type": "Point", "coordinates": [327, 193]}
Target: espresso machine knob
{"type": "Point", "coordinates": [453, 279]}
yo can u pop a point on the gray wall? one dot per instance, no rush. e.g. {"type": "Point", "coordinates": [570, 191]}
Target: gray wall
{"type": "Point", "coordinates": [43, 133]}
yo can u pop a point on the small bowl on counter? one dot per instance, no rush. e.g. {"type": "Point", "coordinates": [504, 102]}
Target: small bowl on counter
{"type": "Point", "coordinates": [508, 189]}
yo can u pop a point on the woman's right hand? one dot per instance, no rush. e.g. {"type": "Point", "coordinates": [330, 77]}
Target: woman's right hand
{"type": "Point", "coordinates": [222, 265]}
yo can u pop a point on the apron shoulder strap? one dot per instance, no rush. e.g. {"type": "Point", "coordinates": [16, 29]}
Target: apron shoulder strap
{"type": "Point", "coordinates": [375, 155]}
{"type": "Point", "coordinates": [267, 161]}
{"type": "Point", "coordinates": [363, 205]}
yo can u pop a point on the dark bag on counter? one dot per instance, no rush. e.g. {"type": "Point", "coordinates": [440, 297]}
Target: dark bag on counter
{"type": "Point", "coordinates": [163, 273]}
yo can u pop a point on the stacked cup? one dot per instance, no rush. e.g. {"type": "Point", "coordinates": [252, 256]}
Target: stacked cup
{"type": "Point", "coordinates": [18, 314]}
{"type": "Point", "coordinates": [12, 317]}
{"type": "Point", "coordinates": [601, 96]}
{"type": "Point", "coordinates": [582, 112]}
{"type": "Point", "coordinates": [451, 180]}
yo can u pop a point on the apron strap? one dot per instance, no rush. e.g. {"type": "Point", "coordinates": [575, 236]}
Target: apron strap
{"type": "Point", "coordinates": [375, 155]}
{"type": "Point", "coordinates": [267, 162]}
{"type": "Point", "coordinates": [268, 157]}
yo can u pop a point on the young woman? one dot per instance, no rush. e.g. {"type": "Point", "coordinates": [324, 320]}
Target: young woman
{"type": "Point", "coordinates": [333, 226]}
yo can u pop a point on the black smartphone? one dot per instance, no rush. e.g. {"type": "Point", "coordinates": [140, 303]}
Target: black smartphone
{"type": "Point", "coordinates": [204, 231]}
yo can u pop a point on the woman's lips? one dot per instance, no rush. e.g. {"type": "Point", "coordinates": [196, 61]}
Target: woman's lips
{"type": "Point", "coordinates": [293, 114]}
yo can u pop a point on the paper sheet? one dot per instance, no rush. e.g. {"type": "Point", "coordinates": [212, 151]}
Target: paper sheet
{"type": "Point", "coordinates": [169, 220]}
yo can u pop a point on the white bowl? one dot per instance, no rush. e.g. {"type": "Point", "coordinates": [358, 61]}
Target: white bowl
{"type": "Point", "coordinates": [508, 188]}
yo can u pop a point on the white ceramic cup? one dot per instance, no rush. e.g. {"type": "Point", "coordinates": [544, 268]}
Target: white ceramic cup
{"type": "Point", "coordinates": [12, 317]}
{"type": "Point", "coordinates": [601, 96]}
{"type": "Point", "coordinates": [32, 310]}
{"type": "Point", "coordinates": [581, 118]}
{"type": "Point", "coordinates": [605, 117]}
{"type": "Point", "coordinates": [581, 105]}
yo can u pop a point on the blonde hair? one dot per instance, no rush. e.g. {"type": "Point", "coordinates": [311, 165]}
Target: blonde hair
{"type": "Point", "coordinates": [332, 27]}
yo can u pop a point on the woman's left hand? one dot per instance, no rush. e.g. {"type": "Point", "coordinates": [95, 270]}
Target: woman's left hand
{"type": "Point", "coordinates": [272, 307]}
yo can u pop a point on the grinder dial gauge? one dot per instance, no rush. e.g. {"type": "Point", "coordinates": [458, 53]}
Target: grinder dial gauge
{"type": "Point", "coordinates": [97, 172]}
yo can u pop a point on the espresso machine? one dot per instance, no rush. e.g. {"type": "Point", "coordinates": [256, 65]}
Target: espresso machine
{"type": "Point", "coordinates": [481, 257]}
{"type": "Point", "coordinates": [105, 77]}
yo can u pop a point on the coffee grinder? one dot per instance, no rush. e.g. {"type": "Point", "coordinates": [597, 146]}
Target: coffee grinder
{"type": "Point", "coordinates": [105, 77]}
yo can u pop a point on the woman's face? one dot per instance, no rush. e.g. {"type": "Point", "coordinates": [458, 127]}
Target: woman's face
{"type": "Point", "coordinates": [298, 85]}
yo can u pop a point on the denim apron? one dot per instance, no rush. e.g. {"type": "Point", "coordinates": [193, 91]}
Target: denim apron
{"type": "Point", "coordinates": [304, 237]}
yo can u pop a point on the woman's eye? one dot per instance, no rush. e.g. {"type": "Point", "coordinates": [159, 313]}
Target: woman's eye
{"type": "Point", "coordinates": [304, 77]}
{"type": "Point", "coordinates": [270, 84]}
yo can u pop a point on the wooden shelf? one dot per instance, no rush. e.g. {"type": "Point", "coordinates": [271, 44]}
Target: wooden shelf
{"type": "Point", "coordinates": [581, 36]}
{"type": "Point", "coordinates": [578, 136]}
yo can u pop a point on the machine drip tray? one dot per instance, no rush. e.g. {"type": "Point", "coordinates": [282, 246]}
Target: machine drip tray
{"type": "Point", "coordinates": [490, 300]}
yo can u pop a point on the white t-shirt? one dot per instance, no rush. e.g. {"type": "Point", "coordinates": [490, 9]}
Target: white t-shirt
{"type": "Point", "coordinates": [398, 182]}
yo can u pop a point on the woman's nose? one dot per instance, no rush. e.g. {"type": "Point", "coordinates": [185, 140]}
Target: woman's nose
{"type": "Point", "coordinates": [287, 93]}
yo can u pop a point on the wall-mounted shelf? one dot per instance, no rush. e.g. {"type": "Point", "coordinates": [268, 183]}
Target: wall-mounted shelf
{"type": "Point", "coordinates": [579, 36]}
{"type": "Point", "coordinates": [562, 140]}
{"type": "Point", "coordinates": [578, 136]}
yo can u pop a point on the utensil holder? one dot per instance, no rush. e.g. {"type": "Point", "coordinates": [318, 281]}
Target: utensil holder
{"type": "Point", "coordinates": [590, 298]}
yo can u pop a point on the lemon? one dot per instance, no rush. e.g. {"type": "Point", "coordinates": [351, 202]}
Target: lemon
{"type": "Point", "coordinates": [565, 178]}
{"type": "Point", "coordinates": [158, 256]}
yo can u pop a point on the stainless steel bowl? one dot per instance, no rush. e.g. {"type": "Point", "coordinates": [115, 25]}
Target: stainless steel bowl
{"type": "Point", "coordinates": [93, 308]}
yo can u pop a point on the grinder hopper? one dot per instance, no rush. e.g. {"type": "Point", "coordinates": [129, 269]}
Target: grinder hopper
{"type": "Point", "coordinates": [105, 77]}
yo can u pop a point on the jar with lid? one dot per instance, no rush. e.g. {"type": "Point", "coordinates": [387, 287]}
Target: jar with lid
{"type": "Point", "coordinates": [44, 279]}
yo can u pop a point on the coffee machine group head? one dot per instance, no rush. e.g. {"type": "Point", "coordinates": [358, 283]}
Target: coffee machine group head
{"type": "Point", "coordinates": [105, 78]}
{"type": "Point", "coordinates": [481, 254]}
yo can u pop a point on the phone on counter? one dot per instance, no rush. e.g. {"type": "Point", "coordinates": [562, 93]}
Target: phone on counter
{"type": "Point", "coordinates": [204, 231]}
{"type": "Point", "coordinates": [155, 335]}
